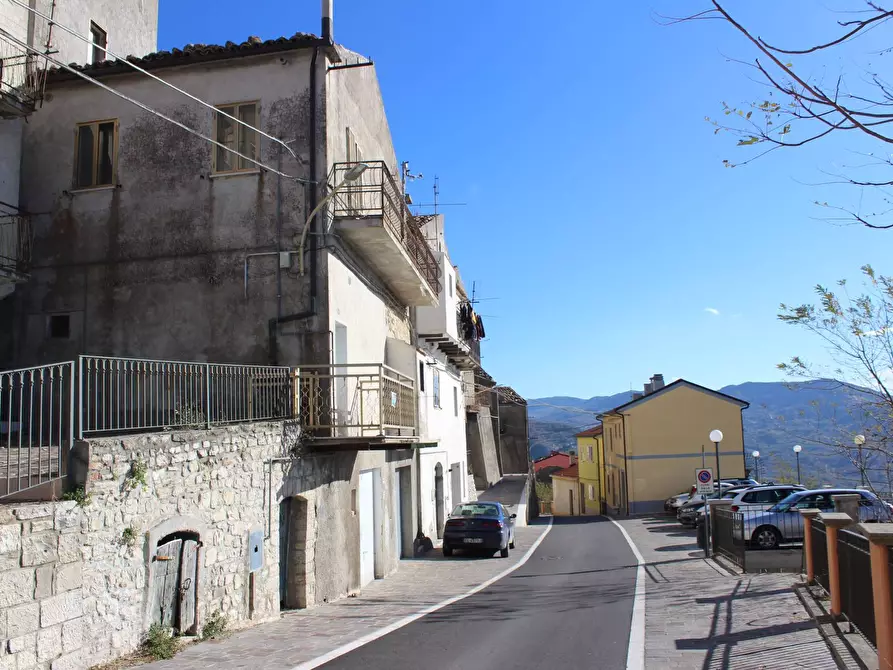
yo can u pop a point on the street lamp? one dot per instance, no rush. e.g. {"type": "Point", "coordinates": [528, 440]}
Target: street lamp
{"type": "Point", "coordinates": [350, 176]}
{"type": "Point", "coordinates": [756, 463]}
{"type": "Point", "coordinates": [797, 450]}
{"type": "Point", "coordinates": [716, 438]}
{"type": "Point", "coordinates": [860, 440]}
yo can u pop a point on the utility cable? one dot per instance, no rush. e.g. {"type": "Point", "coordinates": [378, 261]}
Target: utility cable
{"type": "Point", "coordinates": [136, 67]}
{"type": "Point", "coordinates": [145, 107]}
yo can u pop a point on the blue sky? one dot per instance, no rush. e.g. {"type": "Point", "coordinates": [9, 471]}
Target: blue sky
{"type": "Point", "coordinates": [599, 216]}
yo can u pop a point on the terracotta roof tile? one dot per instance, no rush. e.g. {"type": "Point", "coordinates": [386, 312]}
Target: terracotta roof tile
{"type": "Point", "coordinates": [572, 472]}
{"type": "Point", "coordinates": [591, 432]}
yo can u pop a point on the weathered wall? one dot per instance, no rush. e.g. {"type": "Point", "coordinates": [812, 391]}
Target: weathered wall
{"type": "Point", "coordinates": [514, 448]}
{"type": "Point", "coordinates": [154, 267]}
{"type": "Point", "coordinates": [482, 448]}
{"type": "Point", "coordinates": [41, 601]}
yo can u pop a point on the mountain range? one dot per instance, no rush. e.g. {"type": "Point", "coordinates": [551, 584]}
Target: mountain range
{"type": "Point", "coordinates": [780, 415]}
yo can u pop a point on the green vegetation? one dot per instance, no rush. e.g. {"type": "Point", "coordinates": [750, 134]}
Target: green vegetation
{"type": "Point", "coordinates": [544, 492]}
{"type": "Point", "coordinates": [128, 536]}
{"type": "Point", "coordinates": [137, 475]}
{"type": "Point", "coordinates": [79, 495]}
{"type": "Point", "coordinates": [216, 628]}
{"type": "Point", "coordinates": [159, 643]}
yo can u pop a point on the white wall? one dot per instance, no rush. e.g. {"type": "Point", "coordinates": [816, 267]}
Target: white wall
{"type": "Point", "coordinates": [352, 304]}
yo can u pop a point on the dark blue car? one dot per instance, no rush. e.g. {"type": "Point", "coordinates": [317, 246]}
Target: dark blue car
{"type": "Point", "coordinates": [479, 526]}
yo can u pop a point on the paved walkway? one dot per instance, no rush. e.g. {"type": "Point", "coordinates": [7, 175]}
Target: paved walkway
{"type": "Point", "coordinates": [302, 636]}
{"type": "Point", "coordinates": [698, 616]}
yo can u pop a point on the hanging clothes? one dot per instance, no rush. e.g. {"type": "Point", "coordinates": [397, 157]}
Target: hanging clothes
{"type": "Point", "coordinates": [481, 333]}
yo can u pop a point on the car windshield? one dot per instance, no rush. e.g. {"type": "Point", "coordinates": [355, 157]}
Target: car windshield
{"type": "Point", "coordinates": [785, 504]}
{"type": "Point", "coordinates": [476, 509]}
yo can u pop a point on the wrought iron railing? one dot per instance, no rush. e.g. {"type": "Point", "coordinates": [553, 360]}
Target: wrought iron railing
{"type": "Point", "coordinates": [21, 76]}
{"type": "Point", "coordinates": [343, 401]}
{"type": "Point", "coordinates": [15, 245]}
{"type": "Point", "coordinates": [857, 596]}
{"type": "Point", "coordinates": [376, 193]}
{"type": "Point", "coordinates": [728, 534]}
{"type": "Point", "coordinates": [820, 554]}
{"type": "Point", "coordinates": [36, 425]}
{"type": "Point", "coordinates": [129, 394]}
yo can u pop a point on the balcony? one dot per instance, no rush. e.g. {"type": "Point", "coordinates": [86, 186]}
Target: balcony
{"type": "Point", "coordinates": [355, 406]}
{"type": "Point", "coordinates": [21, 82]}
{"type": "Point", "coordinates": [15, 247]}
{"type": "Point", "coordinates": [372, 217]}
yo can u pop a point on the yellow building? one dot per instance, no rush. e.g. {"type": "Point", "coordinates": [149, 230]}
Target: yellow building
{"type": "Point", "coordinates": [590, 455]}
{"type": "Point", "coordinates": [566, 492]}
{"type": "Point", "coordinates": [654, 443]}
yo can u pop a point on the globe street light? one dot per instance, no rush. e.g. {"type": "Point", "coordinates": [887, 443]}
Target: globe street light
{"type": "Point", "coordinates": [716, 438]}
{"type": "Point", "coordinates": [860, 440]}
{"type": "Point", "coordinates": [797, 450]}
{"type": "Point", "coordinates": [756, 463]}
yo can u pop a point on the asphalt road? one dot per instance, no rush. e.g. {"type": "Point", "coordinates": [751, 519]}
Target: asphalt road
{"type": "Point", "coordinates": [569, 606]}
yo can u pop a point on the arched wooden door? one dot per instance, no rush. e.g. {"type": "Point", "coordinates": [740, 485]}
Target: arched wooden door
{"type": "Point", "coordinates": [175, 582]}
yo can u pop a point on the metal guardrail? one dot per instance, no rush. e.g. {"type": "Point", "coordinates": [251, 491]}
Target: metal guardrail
{"type": "Point", "coordinates": [37, 411]}
{"type": "Point", "coordinates": [15, 245]}
{"type": "Point", "coordinates": [727, 533]}
{"type": "Point", "coordinates": [376, 193]}
{"type": "Point", "coordinates": [129, 394]}
{"type": "Point", "coordinates": [857, 601]}
{"type": "Point", "coordinates": [354, 400]}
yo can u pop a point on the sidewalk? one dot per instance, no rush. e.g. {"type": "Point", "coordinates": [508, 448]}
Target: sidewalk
{"type": "Point", "coordinates": [699, 616]}
{"type": "Point", "coordinates": [301, 636]}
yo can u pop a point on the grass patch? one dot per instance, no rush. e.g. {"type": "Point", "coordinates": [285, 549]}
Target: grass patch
{"type": "Point", "coordinates": [216, 628]}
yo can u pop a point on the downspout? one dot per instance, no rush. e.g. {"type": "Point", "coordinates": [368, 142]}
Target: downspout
{"type": "Point", "coordinates": [310, 205]}
{"type": "Point", "coordinates": [625, 462]}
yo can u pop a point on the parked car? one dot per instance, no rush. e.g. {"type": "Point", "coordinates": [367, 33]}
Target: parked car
{"type": "Point", "coordinates": [688, 514]}
{"type": "Point", "coordinates": [744, 481]}
{"type": "Point", "coordinates": [761, 498]}
{"type": "Point", "coordinates": [480, 526]}
{"type": "Point", "coordinates": [783, 522]}
{"type": "Point", "coordinates": [673, 503]}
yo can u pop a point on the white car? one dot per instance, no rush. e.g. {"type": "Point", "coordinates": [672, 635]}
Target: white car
{"type": "Point", "coordinates": [761, 498]}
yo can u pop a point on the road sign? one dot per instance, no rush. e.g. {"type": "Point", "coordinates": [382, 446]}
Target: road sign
{"type": "Point", "coordinates": [704, 479]}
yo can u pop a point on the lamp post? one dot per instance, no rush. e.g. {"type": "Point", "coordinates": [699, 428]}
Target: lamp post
{"type": "Point", "coordinates": [860, 440]}
{"type": "Point", "coordinates": [716, 438]}
{"type": "Point", "coordinates": [756, 463]}
{"type": "Point", "coordinates": [797, 450]}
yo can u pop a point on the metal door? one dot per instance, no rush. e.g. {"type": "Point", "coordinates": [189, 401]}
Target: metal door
{"type": "Point", "coordinates": [367, 528]}
{"type": "Point", "coordinates": [456, 483]}
{"type": "Point", "coordinates": [438, 499]}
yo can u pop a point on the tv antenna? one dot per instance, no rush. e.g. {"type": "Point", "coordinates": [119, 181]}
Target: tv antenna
{"type": "Point", "coordinates": [437, 202]}
{"type": "Point", "coordinates": [406, 175]}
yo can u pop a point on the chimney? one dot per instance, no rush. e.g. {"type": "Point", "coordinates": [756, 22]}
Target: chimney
{"type": "Point", "coordinates": [637, 395]}
{"type": "Point", "coordinates": [573, 458]}
{"type": "Point", "coordinates": [648, 388]}
{"type": "Point", "coordinates": [657, 382]}
{"type": "Point", "coordinates": [327, 21]}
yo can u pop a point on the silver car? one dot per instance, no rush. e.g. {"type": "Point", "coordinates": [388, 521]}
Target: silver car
{"type": "Point", "coordinates": [783, 522]}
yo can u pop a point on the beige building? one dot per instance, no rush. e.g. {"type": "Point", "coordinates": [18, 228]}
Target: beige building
{"type": "Point", "coordinates": [654, 443]}
{"type": "Point", "coordinates": [566, 492]}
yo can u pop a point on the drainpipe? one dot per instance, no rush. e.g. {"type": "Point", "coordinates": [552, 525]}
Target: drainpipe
{"type": "Point", "coordinates": [310, 205]}
{"type": "Point", "coordinates": [625, 461]}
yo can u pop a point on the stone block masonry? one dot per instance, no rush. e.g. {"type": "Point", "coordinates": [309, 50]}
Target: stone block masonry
{"type": "Point", "coordinates": [40, 585]}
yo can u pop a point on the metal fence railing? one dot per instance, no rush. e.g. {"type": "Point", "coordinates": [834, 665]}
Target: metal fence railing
{"type": "Point", "coordinates": [857, 596]}
{"type": "Point", "coordinates": [15, 245]}
{"type": "Point", "coordinates": [376, 193]}
{"type": "Point", "coordinates": [128, 394]}
{"type": "Point", "coordinates": [727, 533]}
{"type": "Point", "coordinates": [820, 553]}
{"type": "Point", "coordinates": [37, 412]}
{"type": "Point", "coordinates": [354, 400]}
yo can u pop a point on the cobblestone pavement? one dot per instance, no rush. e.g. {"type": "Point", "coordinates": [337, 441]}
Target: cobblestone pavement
{"type": "Point", "coordinates": [303, 636]}
{"type": "Point", "coordinates": [697, 616]}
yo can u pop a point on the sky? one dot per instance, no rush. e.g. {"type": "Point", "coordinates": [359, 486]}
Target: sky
{"type": "Point", "coordinates": [600, 229]}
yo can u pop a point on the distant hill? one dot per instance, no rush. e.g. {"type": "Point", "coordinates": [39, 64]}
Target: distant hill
{"type": "Point", "coordinates": [780, 415]}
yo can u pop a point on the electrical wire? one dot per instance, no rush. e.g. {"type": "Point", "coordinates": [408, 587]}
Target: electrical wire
{"type": "Point", "coordinates": [146, 108]}
{"type": "Point", "coordinates": [121, 59]}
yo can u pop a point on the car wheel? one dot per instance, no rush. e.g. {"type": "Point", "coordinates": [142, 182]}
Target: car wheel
{"type": "Point", "coordinates": [766, 537]}
{"type": "Point", "coordinates": [512, 541]}
{"type": "Point", "coordinates": [447, 551]}
{"type": "Point", "coordinates": [504, 552]}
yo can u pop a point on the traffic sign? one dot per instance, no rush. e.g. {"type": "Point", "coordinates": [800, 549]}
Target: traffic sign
{"type": "Point", "coordinates": [704, 479]}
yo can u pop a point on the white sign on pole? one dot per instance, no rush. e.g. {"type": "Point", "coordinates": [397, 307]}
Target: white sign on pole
{"type": "Point", "coordinates": [704, 479]}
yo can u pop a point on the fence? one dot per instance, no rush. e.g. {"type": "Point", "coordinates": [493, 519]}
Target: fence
{"type": "Point", "coordinates": [128, 394]}
{"type": "Point", "coordinates": [15, 245]}
{"type": "Point", "coordinates": [857, 602]}
{"type": "Point", "coordinates": [820, 554]}
{"type": "Point", "coordinates": [354, 401]}
{"type": "Point", "coordinates": [727, 532]}
{"type": "Point", "coordinates": [37, 411]}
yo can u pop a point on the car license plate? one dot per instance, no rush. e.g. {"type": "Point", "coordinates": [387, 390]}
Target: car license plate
{"type": "Point", "coordinates": [473, 540]}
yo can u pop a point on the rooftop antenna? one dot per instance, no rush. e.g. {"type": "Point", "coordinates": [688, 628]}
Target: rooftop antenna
{"type": "Point", "coordinates": [436, 191]}
{"type": "Point", "coordinates": [405, 176]}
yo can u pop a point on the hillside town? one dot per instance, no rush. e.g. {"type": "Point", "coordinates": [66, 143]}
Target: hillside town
{"type": "Point", "coordinates": [248, 417]}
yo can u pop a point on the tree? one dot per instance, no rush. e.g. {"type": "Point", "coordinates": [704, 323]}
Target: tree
{"type": "Point", "coordinates": [857, 331]}
{"type": "Point", "coordinates": [804, 108]}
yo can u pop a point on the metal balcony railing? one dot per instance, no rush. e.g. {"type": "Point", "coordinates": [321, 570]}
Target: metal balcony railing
{"type": "Point", "coordinates": [15, 246]}
{"type": "Point", "coordinates": [376, 193]}
{"type": "Point", "coordinates": [22, 79]}
{"type": "Point", "coordinates": [354, 401]}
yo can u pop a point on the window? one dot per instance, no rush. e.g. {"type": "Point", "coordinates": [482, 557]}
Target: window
{"type": "Point", "coordinates": [59, 326]}
{"type": "Point", "coordinates": [590, 456]}
{"type": "Point", "coordinates": [764, 497]}
{"type": "Point", "coordinates": [591, 492]}
{"type": "Point", "coordinates": [99, 42]}
{"type": "Point", "coordinates": [236, 137]}
{"type": "Point", "coordinates": [456, 401]}
{"type": "Point", "coordinates": [95, 154]}
{"type": "Point", "coordinates": [422, 376]}
{"type": "Point", "coordinates": [436, 383]}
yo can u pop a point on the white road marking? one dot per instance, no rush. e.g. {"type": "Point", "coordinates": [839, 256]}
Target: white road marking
{"type": "Point", "coordinates": [635, 655]}
{"type": "Point", "coordinates": [381, 632]}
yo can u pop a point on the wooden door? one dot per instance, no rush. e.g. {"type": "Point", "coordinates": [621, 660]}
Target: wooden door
{"type": "Point", "coordinates": [167, 582]}
{"type": "Point", "coordinates": [187, 587]}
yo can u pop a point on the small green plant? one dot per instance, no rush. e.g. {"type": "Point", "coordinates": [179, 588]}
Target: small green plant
{"type": "Point", "coordinates": [79, 495]}
{"type": "Point", "coordinates": [189, 415]}
{"type": "Point", "coordinates": [128, 536]}
{"type": "Point", "coordinates": [216, 627]}
{"type": "Point", "coordinates": [159, 643]}
{"type": "Point", "coordinates": [137, 475]}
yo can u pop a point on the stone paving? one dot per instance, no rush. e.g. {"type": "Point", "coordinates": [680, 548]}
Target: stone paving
{"type": "Point", "coordinates": [698, 616]}
{"type": "Point", "coordinates": [302, 636]}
